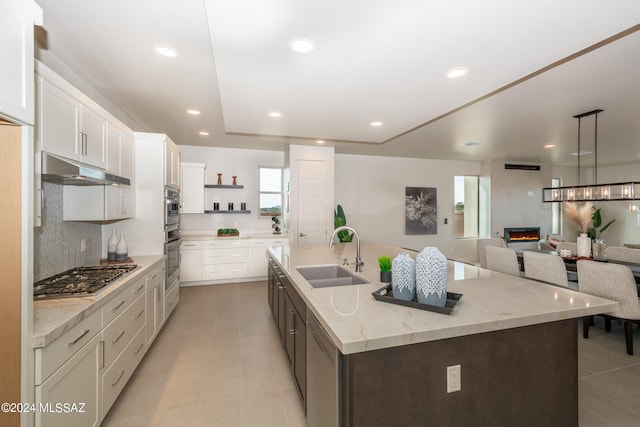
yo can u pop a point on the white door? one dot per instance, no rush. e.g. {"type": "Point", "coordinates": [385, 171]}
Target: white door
{"type": "Point", "coordinates": [312, 202]}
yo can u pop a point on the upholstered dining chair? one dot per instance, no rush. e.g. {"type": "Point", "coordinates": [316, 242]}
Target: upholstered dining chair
{"type": "Point", "coordinates": [503, 260]}
{"type": "Point", "coordinates": [619, 253]}
{"type": "Point", "coordinates": [572, 246]}
{"type": "Point", "coordinates": [614, 282]}
{"type": "Point", "coordinates": [545, 267]}
{"type": "Point", "coordinates": [483, 243]}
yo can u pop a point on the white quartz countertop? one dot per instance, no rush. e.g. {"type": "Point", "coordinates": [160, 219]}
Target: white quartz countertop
{"type": "Point", "coordinates": [52, 318]}
{"type": "Point", "coordinates": [213, 235]}
{"type": "Point", "coordinates": [491, 301]}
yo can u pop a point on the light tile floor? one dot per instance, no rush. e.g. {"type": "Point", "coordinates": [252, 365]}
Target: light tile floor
{"type": "Point", "coordinates": [219, 362]}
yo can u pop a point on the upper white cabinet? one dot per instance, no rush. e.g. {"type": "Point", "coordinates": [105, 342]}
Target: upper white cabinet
{"type": "Point", "coordinates": [69, 128]}
{"type": "Point", "coordinates": [192, 191]}
{"type": "Point", "coordinates": [16, 50]}
{"type": "Point", "coordinates": [172, 164]}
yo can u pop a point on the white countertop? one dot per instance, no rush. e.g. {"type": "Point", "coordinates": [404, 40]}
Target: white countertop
{"type": "Point", "coordinates": [52, 318]}
{"type": "Point", "coordinates": [491, 301]}
{"type": "Point", "coordinates": [213, 235]}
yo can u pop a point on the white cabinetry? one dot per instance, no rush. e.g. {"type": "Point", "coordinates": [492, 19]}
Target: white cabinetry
{"type": "Point", "coordinates": [172, 165]}
{"type": "Point", "coordinates": [191, 261]}
{"type": "Point", "coordinates": [217, 261]}
{"type": "Point", "coordinates": [16, 44]}
{"type": "Point", "coordinates": [119, 200]}
{"type": "Point", "coordinates": [192, 187]}
{"type": "Point", "coordinates": [155, 302]}
{"type": "Point", "coordinates": [68, 127]}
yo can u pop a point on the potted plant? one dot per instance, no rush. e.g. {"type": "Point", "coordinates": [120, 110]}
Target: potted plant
{"type": "Point", "coordinates": [339, 219]}
{"type": "Point", "coordinates": [597, 245]}
{"type": "Point", "coordinates": [385, 268]}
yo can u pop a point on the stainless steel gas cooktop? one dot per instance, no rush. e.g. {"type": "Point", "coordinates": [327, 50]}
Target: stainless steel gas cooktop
{"type": "Point", "coordinates": [80, 281]}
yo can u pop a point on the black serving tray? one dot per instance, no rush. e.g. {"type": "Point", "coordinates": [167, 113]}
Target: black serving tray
{"type": "Point", "coordinates": [385, 294]}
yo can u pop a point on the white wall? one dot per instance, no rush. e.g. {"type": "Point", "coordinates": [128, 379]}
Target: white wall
{"type": "Point", "coordinates": [244, 165]}
{"type": "Point", "coordinates": [371, 189]}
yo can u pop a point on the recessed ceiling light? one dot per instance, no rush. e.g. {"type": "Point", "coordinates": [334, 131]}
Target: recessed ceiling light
{"type": "Point", "coordinates": [471, 144]}
{"type": "Point", "coordinates": [275, 114]}
{"type": "Point", "coordinates": [302, 45]}
{"type": "Point", "coordinates": [581, 153]}
{"type": "Point", "coordinates": [319, 141]}
{"type": "Point", "coordinates": [549, 145]}
{"type": "Point", "coordinates": [193, 112]}
{"type": "Point", "coordinates": [203, 133]}
{"type": "Point", "coordinates": [165, 50]}
{"type": "Point", "coordinates": [376, 124]}
{"type": "Point", "coordinates": [457, 72]}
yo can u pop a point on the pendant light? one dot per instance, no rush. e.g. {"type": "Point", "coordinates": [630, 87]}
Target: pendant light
{"type": "Point", "coordinates": [595, 192]}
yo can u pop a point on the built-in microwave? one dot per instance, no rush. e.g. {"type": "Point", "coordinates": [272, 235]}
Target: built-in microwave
{"type": "Point", "coordinates": [172, 207]}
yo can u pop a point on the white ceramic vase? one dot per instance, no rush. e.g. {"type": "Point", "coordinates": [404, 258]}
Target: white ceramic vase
{"type": "Point", "coordinates": [584, 245]}
{"type": "Point", "coordinates": [122, 250]}
{"type": "Point", "coordinates": [403, 285]}
{"type": "Point", "coordinates": [112, 245]}
{"type": "Point", "coordinates": [431, 277]}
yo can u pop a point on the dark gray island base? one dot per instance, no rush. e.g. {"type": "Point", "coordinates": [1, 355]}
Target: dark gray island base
{"type": "Point", "coordinates": [525, 376]}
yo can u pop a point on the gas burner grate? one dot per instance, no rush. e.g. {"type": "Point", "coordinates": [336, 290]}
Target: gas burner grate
{"type": "Point", "coordinates": [80, 281]}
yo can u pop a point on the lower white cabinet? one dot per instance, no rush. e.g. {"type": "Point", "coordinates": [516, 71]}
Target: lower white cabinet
{"type": "Point", "coordinates": [219, 260]}
{"type": "Point", "coordinates": [172, 297]}
{"type": "Point", "coordinates": [79, 376]}
{"type": "Point", "coordinates": [76, 382]}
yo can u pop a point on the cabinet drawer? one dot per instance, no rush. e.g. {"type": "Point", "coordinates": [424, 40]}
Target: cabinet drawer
{"type": "Point", "coordinates": [190, 245]}
{"type": "Point", "coordinates": [224, 271]}
{"type": "Point", "coordinates": [120, 332]}
{"type": "Point", "coordinates": [116, 377]}
{"type": "Point", "coordinates": [223, 256]}
{"type": "Point", "coordinates": [156, 274]}
{"type": "Point", "coordinates": [51, 357]}
{"type": "Point", "coordinates": [171, 300]}
{"type": "Point", "coordinates": [121, 301]}
{"type": "Point", "coordinates": [213, 244]}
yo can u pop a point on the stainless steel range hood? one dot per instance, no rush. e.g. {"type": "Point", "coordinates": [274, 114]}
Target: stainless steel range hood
{"type": "Point", "coordinates": [70, 172]}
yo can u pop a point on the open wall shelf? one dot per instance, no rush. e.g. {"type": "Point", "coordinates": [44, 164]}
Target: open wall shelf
{"type": "Point", "coordinates": [236, 187]}
{"type": "Point", "coordinates": [228, 212]}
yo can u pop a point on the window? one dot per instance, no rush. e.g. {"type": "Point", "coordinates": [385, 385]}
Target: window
{"type": "Point", "coordinates": [270, 191]}
{"type": "Point", "coordinates": [556, 212]}
{"type": "Point", "coordinates": [466, 207]}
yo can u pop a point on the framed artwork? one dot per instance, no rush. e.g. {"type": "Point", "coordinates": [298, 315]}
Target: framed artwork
{"type": "Point", "coordinates": [421, 214]}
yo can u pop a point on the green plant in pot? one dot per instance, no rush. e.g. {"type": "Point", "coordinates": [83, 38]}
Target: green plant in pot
{"type": "Point", "coordinates": [339, 219]}
{"type": "Point", "coordinates": [385, 268]}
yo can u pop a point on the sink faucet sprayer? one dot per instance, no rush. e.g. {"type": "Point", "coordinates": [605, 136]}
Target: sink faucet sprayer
{"type": "Point", "coordinates": [359, 262]}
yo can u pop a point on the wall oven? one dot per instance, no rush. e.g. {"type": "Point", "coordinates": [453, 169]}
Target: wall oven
{"type": "Point", "coordinates": [172, 207]}
{"type": "Point", "coordinates": [172, 251]}
{"type": "Point", "coordinates": [172, 239]}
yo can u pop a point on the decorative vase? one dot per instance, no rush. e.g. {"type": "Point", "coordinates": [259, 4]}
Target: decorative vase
{"type": "Point", "coordinates": [404, 277]}
{"type": "Point", "coordinates": [584, 245]}
{"type": "Point", "coordinates": [598, 250]}
{"type": "Point", "coordinates": [219, 179]}
{"type": "Point", "coordinates": [385, 277]}
{"type": "Point", "coordinates": [111, 246]}
{"type": "Point", "coordinates": [122, 250]}
{"type": "Point", "coordinates": [431, 277]}
{"type": "Point", "coordinates": [234, 180]}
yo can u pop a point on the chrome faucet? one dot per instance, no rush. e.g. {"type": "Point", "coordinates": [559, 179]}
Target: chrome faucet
{"type": "Point", "coordinates": [359, 262]}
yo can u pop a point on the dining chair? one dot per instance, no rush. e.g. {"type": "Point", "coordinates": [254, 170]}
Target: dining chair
{"type": "Point", "coordinates": [614, 282]}
{"type": "Point", "coordinates": [503, 260]}
{"type": "Point", "coordinates": [572, 246]}
{"type": "Point", "coordinates": [545, 267]}
{"type": "Point", "coordinates": [618, 253]}
{"type": "Point", "coordinates": [483, 243]}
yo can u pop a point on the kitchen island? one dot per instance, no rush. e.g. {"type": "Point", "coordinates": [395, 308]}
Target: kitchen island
{"type": "Point", "coordinates": [515, 341]}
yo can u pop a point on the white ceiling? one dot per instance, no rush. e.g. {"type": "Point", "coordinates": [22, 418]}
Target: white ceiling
{"type": "Point", "coordinates": [532, 67]}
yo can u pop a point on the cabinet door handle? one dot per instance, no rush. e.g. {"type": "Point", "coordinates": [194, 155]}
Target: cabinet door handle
{"type": "Point", "coordinates": [120, 374]}
{"type": "Point", "coordinates": [120, 335]}
{"type": "Point", "coordinates": [85, 332]}
{"type": "Point", "coordinates": [101, 355]}
{"type": "Point", "coordinates": [138, 315]}
{"type": "Point", "coordinates": [139, 289]}
{"type": "Point", "coordinates": [138, 349]}
{"type": "Point", "coordinates": [118, 306]}
{"type": "Point", "coordinates": [293, 330]}
{"type": "Point", "coordinates": [301, 235]}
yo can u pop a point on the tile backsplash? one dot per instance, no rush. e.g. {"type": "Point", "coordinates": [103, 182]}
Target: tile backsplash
{"type": "Point", "coordinates": [57, 243]}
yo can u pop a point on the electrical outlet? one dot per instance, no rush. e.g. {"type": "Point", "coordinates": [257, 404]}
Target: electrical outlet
{"type": "Point", "coordinates": [83, 245]}
{"type": "Point", "coordinates": [454, 380]}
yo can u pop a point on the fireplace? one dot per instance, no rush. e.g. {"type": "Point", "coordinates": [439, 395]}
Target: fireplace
{"type": "Point", "coordinates": [522, 234]}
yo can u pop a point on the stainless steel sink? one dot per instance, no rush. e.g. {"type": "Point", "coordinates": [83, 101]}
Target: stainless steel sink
{"type": "Point", "coordinates": [324, 276]}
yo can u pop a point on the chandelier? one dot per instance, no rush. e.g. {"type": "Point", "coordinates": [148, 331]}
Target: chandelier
{"type": "Point", "coordinates": [595, 192]}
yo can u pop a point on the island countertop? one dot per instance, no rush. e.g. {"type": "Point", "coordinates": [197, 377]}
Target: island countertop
{"type": "Point", "coordinates": [491, 301]}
